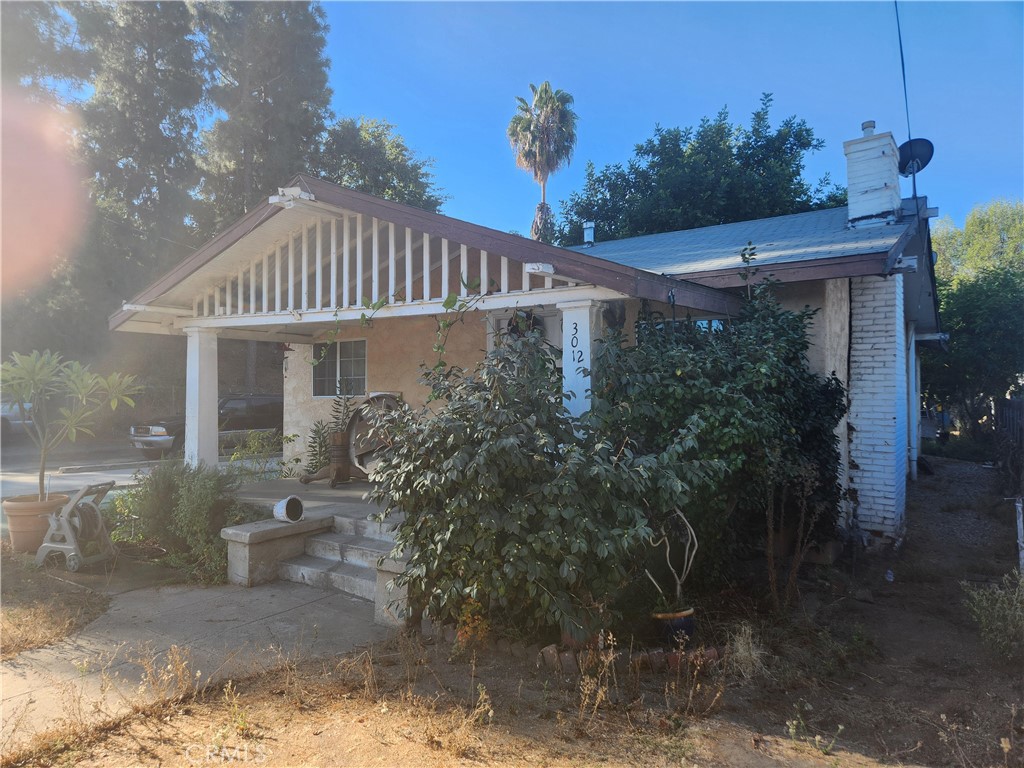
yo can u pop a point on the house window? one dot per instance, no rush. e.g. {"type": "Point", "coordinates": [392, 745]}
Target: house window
{"type": "Point", "coordinates": [339, 366]}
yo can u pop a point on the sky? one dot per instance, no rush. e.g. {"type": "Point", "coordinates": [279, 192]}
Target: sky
{"type": "Point", "coordinates": [447, 74]}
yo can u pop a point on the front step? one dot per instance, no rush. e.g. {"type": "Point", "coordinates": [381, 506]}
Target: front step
{"type": "Point", "coordinates": [329, 574]}
{"type": "Point", "coordinates": [344, 558]}
{"type": "Point", "coordinates": [355, 550]}
{"type": "Point", "coordinates": [353, 521]}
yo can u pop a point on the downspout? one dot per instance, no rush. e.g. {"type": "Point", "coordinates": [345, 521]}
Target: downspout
{"type": "Point", "coordinates": [913, 401]}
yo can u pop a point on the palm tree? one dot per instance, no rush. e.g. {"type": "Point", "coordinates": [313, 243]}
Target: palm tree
{"type": "Point", "coordinates": [543, 135]}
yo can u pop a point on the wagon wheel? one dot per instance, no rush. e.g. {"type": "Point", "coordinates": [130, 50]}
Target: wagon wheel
{"type": "Point", "coordinates": [363, 449]}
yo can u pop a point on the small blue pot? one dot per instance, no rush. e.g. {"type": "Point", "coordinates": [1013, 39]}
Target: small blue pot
{"type": "Point", "coordinates": [677, 627]}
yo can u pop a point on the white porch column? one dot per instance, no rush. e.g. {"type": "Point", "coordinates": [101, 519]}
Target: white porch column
{"type": "Point", "coordinates": [579, 328]}
{"type": "Point", "coordinates": [201, 397]}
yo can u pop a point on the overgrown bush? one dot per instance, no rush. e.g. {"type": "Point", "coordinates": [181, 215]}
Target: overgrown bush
{"type": "Point", "coordinates": [999, 612]}
{"type": "Point", "coordinates": [183, 509]}
{"type": "Point", "coordinates": [508, 503]}
{"type": "Point", "coordinates": [766, 417]}
{"type": "Point", "coordinates": [980, 447]}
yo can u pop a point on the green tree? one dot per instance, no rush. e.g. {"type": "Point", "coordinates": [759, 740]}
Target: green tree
{"type": "Point", "coordinates": [993, 235]}
{"type": "Point", "coordinates": [370, 156]}
{"type": "Point", "coordinates": [543, 136]}
{"type": "Point", "coordinates": [136, 144]}
{"type": "Point", "coordinates": [140, 128]}
{"type": "Point", "coordinates": [980, 277]}
{"type": "Point", "coordinates": [683, 178]}
{"type": "Point", "coordinates": [36, 47]}
{"type": "Point", "coordinates": [981, 311]}
{"type": "Point", "coordinates": [270, 97]}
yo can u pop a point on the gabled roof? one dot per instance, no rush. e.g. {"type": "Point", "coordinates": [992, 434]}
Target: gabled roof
{"type": "Point", "coordinates": [782, 243]}
{"type": "Point", "coordinates": [267, 220]}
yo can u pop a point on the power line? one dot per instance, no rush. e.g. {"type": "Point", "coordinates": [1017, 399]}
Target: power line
{"type": "Point", "coordinates": [903, 68]}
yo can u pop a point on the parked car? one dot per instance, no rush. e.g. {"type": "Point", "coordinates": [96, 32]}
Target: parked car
{"type": "Point", "coordinates": [11, 421]}
{"type": "Point", "coordinates": [238, 415]}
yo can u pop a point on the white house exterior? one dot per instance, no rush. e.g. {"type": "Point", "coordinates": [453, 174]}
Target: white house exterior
{"type": "Point", "coordinates": [300, 269]}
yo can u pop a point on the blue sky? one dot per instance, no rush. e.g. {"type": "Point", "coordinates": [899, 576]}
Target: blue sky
{"type": "Point", "coordinates": [447, 74]}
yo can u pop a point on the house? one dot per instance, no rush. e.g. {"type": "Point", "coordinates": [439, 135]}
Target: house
{"type": "Point", "coordinates": [301, 268]}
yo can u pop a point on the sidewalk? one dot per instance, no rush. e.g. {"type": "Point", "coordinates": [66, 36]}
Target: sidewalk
{"type": "Point", "coordinates": [226, 631]}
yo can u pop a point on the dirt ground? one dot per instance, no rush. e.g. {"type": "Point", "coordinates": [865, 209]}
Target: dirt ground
{"type": "Point", "coordinates": [37, 609]}
{"type": "Point", "coordinates": [869, 672]}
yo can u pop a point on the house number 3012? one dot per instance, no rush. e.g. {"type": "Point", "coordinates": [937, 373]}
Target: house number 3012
{"type": "Point", "coordinates": [574, 342]}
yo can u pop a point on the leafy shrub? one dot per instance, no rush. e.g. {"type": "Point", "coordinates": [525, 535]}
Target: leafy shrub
{"type": "Point", "coordinates": [508, 503]}
{"type": "Point", "coordinates": [999, 612]}
{"type": "Point", "coordinates": [258, 456]}
{"type": "Point", "coordinates": [978, 448]}
{"type": "Point", "coordinates": [766, 416]}
{"type": "Point", "coordinates": [183, 509]}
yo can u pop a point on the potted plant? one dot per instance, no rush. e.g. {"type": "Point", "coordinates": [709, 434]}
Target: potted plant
{"type": "Point", "coordinates": [674, 615]}
{"type": "Point", "coordinates": [57, 400]}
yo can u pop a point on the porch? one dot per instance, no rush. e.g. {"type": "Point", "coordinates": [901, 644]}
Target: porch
{"type": "Point", "coordinates": [317, 263]}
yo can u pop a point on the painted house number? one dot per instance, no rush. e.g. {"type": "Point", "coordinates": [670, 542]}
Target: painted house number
{"type": "Point", "coordinates": [574, 342]}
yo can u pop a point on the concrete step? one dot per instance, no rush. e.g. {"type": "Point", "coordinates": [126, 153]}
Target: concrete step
{"type": "Point", "coordinates": [358, 550]}
{"type": "Point", "coordinates": [330, 574]}
{"type": "Point", "coordinates": [357, 523]}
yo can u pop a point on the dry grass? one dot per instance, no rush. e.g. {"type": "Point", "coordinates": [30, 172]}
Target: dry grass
{"type": "Point", "coordinates": [37, 609]}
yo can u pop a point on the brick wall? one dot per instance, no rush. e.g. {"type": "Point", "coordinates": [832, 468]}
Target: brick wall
{"type": "Point", "coordinates": [878, 404]}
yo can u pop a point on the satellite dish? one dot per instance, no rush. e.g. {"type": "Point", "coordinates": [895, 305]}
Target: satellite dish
{"type": "Point", "coordinates": [914, 156]}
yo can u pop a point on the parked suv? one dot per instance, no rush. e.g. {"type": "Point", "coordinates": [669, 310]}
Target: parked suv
{"type": "Point", "coordinates": [238, 415]}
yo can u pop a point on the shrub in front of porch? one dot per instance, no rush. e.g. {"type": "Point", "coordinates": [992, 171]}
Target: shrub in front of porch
{"type": "Point", "coordinates": [183, 509]}
{"type": "Point", "coordinates": [767, 418]}
{"type": "Point", "coordinates": [507, 503]}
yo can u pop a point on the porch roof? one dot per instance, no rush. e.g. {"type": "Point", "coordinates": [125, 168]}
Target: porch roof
{"type": "Point", "coordinates": [173, 301]}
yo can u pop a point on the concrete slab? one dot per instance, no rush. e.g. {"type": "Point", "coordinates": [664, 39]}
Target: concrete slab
{"type": "Point", "coordinates": [225, 631]}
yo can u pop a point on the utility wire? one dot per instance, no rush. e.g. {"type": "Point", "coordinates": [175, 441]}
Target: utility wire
{"type": "Point", "coordinates": [906, 99]}
{"type": "Point", "coordinates": [903, 68]}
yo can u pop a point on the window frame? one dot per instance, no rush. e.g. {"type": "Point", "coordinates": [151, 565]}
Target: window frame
{"type": "Point", "coordinates": [337, 367]}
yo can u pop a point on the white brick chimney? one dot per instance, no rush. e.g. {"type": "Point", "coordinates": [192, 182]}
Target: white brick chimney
{"type": "Point", "coordinates": [872, 178]}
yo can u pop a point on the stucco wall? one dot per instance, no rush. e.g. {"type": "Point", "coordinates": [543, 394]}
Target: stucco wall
{"type": "Point", "coordinates": [395, 348]}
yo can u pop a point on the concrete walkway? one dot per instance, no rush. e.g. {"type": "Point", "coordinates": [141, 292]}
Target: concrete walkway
{"type": "Point", "coordinates": [224, 631]}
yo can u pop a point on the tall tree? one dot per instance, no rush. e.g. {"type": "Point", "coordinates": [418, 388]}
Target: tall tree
{"type": "Point", "coordinates": [993, 235]}
{"type": "Point", "coordinates": [140, 128]}
{"type": "Point", "coordinates": [270, 97]}
{"type": "Point", "coordinates": [37, 47]}
{"type": "Point", "coordinates": [370, 156]}
{"type": "Point", "coordinates": [683, 178]}
{"type": "Point", "coordinates": [980, 276]}
{"type": "Point", "coordinates": [543, 136]}
{"type": "Point", "coordinates": [136, 144]}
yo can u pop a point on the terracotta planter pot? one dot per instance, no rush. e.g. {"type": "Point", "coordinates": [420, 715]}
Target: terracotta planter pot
{"type": "Point", "coordinates": [28, 519]}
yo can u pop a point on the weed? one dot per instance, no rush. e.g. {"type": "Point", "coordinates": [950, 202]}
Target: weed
{"type": "Point", "coordinates": [999, 612]}
{"type": "Point", "coordinates": [798, 731]}
{"type": "Point", "coordinates": [597, 677]}
{"type": "Point", "coordinates": [237, 714]}
{"type": "Point", "coordinates": [695, 690]}
{"type": "Point", "coordinates": [747, 655]}
{"type": "Point", "coordinates": [454, 729]}
{"type": "Point", "coordinates": [359, 670]}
